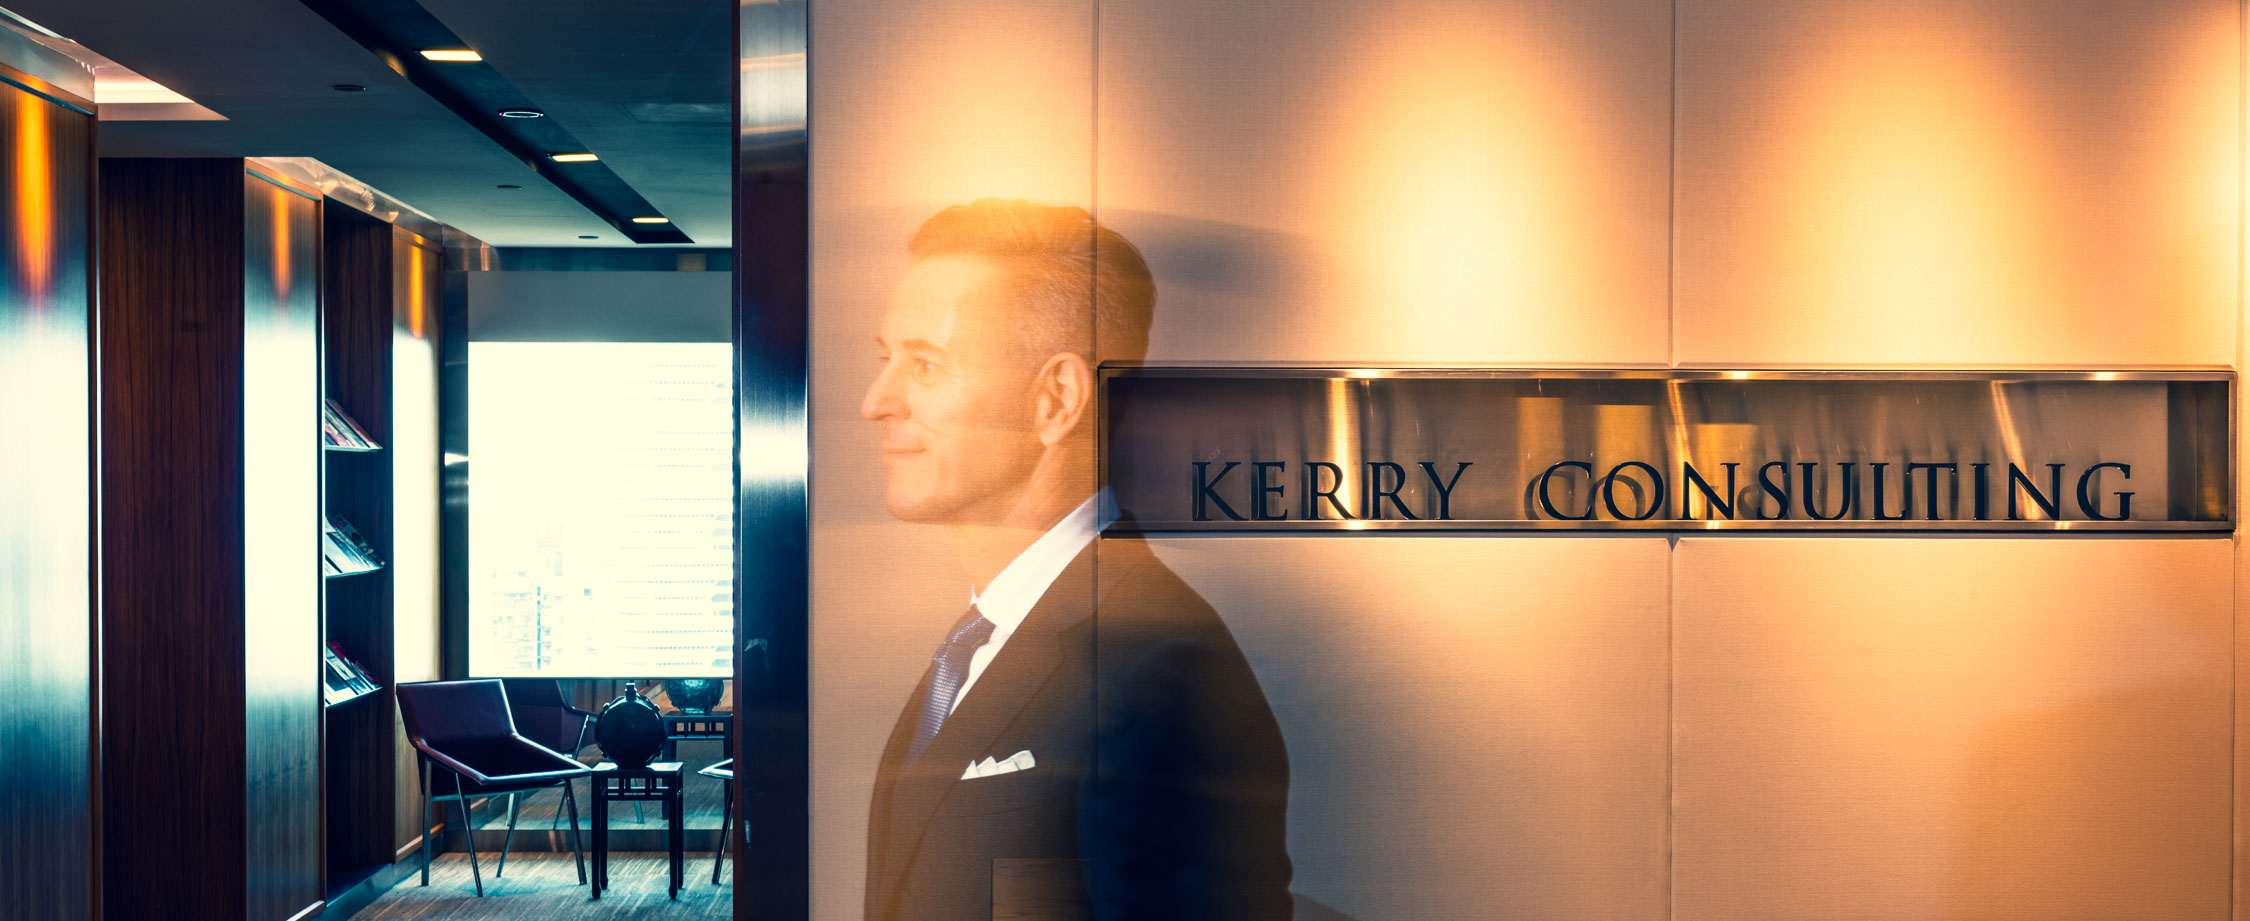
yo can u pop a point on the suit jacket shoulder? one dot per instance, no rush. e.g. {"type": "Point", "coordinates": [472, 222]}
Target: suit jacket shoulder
{"type": "Point", "coordinates": [1161, 772]}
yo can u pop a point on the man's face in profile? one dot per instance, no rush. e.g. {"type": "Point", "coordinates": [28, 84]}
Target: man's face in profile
{"type": "Point", "coordinates": [958, 418]}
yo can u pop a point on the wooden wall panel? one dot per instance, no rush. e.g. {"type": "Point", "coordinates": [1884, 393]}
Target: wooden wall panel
{"type": "Point", "coordinates": [174, 821]}
{"type": "Point", "coordinates": [210, 541]}
{"type": "Point", "coordinates": [46, 508]}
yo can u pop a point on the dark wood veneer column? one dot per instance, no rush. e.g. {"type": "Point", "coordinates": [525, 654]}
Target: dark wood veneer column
{"type": "Point", "coordinates": [210, 452]}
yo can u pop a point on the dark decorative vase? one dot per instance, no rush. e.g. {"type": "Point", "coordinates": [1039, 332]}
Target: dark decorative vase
{"type": "Point", "coordinates": [695, 695]}
{"type": "Point", "coordinates": [630, 730]}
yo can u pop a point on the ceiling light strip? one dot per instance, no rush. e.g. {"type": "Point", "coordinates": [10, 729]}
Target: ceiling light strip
{"type": "Point", "coordinates": [396, 30]}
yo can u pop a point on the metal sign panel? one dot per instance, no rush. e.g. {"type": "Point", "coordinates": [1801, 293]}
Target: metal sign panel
{"type": "Point", "coordinates": [1387, 449]}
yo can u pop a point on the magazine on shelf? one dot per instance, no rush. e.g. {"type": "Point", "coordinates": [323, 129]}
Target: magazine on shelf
{"type": "Point", "coordinates": [345, 548]}
{"type": "Point", "coordinates": [345, 678]}
{"type": "Point", "coordinates": [339, 429]}
{"type": "Point", "coordinates": [337, 555]}
{"type": "Point", "coordinates": [336, 678]}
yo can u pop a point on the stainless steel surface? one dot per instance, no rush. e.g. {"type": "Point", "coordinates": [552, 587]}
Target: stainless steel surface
{"type": "Point", "coordinates": [334, 184]}
{"type": "Point", "coordinates": [1389, 449]}
{"type": "Point", "coordinates": [46, 511]}
{"type": "Point", "coordinates": [772, 586]}
{"type": "Point", "coordinates": [44, 71]}
{"type": "Point", "coordinates": [281, 509]}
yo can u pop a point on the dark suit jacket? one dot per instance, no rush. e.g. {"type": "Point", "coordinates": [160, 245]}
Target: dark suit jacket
{"type": "Point", "coordinates": [1161, 781]}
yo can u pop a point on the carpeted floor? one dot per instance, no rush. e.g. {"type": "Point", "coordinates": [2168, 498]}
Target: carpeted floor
{"type": "Point", "coordinates": [542, 886]}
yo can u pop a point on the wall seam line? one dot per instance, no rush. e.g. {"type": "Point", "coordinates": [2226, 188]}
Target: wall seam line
{"type": "Point", "coordinates": [1672, 545]}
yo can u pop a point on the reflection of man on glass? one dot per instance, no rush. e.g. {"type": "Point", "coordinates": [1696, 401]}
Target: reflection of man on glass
{"type": "Point", "coordinates": [1053, 755]}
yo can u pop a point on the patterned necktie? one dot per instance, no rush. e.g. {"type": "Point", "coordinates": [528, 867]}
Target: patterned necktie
{"type": "Point", "coordinates": [945, 680]}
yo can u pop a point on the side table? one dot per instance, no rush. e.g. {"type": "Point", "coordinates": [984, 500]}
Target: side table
{"type": "Point", "coordinates": [680, 726]}
{"type": "Point", "coordinates": [660, 781]}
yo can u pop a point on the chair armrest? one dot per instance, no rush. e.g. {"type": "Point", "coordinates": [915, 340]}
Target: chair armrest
{"type": "Point", "coordinates": [563, 763]}
{"type": "Point", "coordinates": [448, 763]}
{"type": "Point", "coordinates": [532, 760]}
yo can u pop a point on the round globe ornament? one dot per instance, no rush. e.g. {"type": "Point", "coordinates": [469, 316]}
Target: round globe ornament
{"type": "Point", "coordinates": [630, 730]}
{"type": "Point", "coordinates": [695, 695]}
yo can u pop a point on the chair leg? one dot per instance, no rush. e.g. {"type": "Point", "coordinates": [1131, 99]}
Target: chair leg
{"type": "Point", "coordinates": [515, 809]}
{"type": "Point", "coordinates": [469, 831]}
{"type": "Point", "coordinates": [726, 829]}
{"type": "Point", "coordinates": [571, 799]}
{"type": "Point", "coordinates": [427, 822]}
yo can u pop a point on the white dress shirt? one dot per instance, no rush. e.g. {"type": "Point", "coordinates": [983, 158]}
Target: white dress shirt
{"type": "Point", "coordinates": [1017, 588]}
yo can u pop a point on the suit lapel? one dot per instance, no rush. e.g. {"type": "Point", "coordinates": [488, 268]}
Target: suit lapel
{"type": "Point", "coordinates": [1007, 686]}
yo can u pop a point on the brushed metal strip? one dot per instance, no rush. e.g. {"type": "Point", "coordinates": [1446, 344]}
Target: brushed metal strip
{"type": "Point", "coordinates": [273, 177]}
{"type": "Point", "coordinates": [772, 465]}
{"type": "Point", "coordinates": [45, 90]}
{"type": "Point", "coordinates": [1439, 372]}
{"type": "Point", "coordinates": [1124, 526]}
{"type": "Point", "coordinates": [1522, 426]}
{"type": "Point", "coordinates": [45, 72]}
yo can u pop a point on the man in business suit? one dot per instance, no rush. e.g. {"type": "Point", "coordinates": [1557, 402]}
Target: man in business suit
{"type": "Point", "coordinates": [1088, 737]}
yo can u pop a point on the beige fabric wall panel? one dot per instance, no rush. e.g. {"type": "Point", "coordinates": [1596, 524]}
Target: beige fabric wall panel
{"type": "Point", "coordinates": [1419, 181]}
{"type": "Point", "coordinates": [2241, 649]}
{"type": "Point", "coordinates": [2012, 183]}
{"type": "Point", "coordinates": [919, 106]}
{"type": "Point", "coordinates": [1952, 729]}
{"type": "Point", "coordinates": [1476, 728]}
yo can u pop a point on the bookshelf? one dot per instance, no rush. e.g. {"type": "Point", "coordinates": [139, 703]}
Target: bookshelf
{"type": "Point", "coordinates": [379, 531]}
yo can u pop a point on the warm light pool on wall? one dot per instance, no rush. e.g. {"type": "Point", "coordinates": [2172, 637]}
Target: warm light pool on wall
{"type": "Point", "coordinates": [573, 158]}
{"type": "Point", "coordinates": [451, 54]}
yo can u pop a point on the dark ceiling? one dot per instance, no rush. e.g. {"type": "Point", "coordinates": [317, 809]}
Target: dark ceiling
{"type": "Point", "coordinates": [644, 84]}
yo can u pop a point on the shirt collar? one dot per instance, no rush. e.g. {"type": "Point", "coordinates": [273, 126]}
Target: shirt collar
{"type": "Point", "coordinates": [1013, 592]}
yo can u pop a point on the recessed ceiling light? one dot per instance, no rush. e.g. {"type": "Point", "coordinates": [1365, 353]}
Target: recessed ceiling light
{"type": "Point", "coordinates": [507, 187]}
{"type": "Point", "coordinates": [522, 113]}
{"type": "Point", "coordinates": [451, 54]}
{"type": "Point", "coordinates": [572, 158]}
{"type": "Point", "coordinates": [348, 88]}
{"type": "Point", "coordinates": [652, 220]}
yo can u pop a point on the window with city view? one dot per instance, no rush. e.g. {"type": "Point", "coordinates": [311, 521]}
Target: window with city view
{"type": "Point", "coordinates": [601, 509]}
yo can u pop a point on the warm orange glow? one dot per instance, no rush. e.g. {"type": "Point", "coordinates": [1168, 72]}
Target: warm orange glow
{"type": "Point", "coordinates": [415, 301]}
{"type": "Point", "coordinates": [35, 197]}
{"type": "Point", "coordinates": [1490, 195]}
{"type": "Point", "coordinates": [281, 254]}
{"type": "Point", "coordinates": [1922, 195]}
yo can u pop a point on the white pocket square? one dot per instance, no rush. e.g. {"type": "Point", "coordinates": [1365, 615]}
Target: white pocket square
{"type": "Point", "coordinates": [1020, 761]}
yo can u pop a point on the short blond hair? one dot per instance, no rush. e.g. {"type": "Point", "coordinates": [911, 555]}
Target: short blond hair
{"type": "Point", "coordinates": [1059, 265]}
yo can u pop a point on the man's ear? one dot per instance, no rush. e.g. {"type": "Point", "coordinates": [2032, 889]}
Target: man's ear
{"type": "Point", "coordinates": [1065, 394]}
